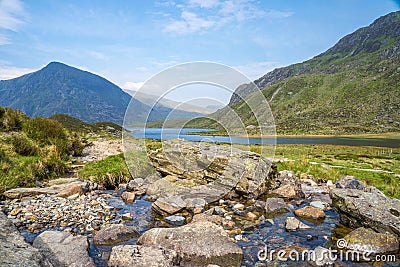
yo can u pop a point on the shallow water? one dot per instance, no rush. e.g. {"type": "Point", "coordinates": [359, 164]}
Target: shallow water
{"type": "Point", "coordinates": [261, 236]}
{"type": "Point", "coordinates": [173, 133]}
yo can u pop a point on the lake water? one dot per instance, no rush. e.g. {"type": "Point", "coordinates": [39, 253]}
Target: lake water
{"type": "Point", "coordinates": [173, 133]}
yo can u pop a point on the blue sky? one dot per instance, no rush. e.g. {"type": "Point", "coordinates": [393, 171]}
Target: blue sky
{"type": "Point", "coordinates": [129, 41]}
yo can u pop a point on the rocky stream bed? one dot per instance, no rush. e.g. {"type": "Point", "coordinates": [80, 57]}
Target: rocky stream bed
{"type": "Point", "coordinates": [160, 221]}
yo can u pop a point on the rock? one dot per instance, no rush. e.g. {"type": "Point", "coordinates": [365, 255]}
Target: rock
{"type": "Point", "coordinates": [292, 224]}
{"type": "Point", "coordinates": [363, 209]}
{"type": "Point", "coordinates": [219, 211]}
{"type": "Point", "coordinates": [322, 257]}
{"type": "Point", "coordinates": [221, 167]}
{"type": "Point", "coordinates": [14, 251]}
{"type": "Point", "coordinates": [275, 205]}
{"type": "Point", "coordinates": [114, 234]}
{"type": "Point", "coordinates": [367, 240]}
{"type": "Point", "coordinates": [374, 190]}
{"type": "Point", "coordinates": [238, 206]}
{"type": "Point", "coordinates": [175, 220]}
{"type": "Point", "coordinates": [128, 197]}
{"type": "Point", "coordinates": [139, 256]}
{"type": "Point", "coordinates": [198, 243]}
{"type": "Point", "coordinates": [72, 189]}
{"type": "Point", "coordinates": [64, 249]}
{"type": "Point", "coordinates": [225, 223]}
{"type": "Point", "coordinates": [287, 191]}
{"type": "Point", "coordinates": [309, 212]}
{"type": "Point", "coordinates": [315, 192]}
{"type": "Point", "coordinates": [127, 216]}
{"type": "Point", "coordinates": [169, 205]}
{"type": "Point", "coordinates": [251, 216]}
{"type": "Point", "coordinates": [350, 182]}
{"type": "Point", "coordinates": [192, 203]}
{"type": "Point", "coordinates": [135, 184]}
{"type": "Point", "coordinates": [320, 205]}
{"type": "Point", "coordinates": [286, 177]}
{"type": "Point", "coordinates": [21, 192]}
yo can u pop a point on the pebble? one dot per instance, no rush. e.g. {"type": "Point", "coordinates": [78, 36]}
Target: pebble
{"type": "Point", "coordinates": [77, 213]}
{"type": "Point", "coordinates": [238, 206]}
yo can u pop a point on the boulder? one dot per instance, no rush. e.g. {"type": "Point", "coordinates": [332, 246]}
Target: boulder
{"type": "Point", "coordinates": [169, 205]}
{"type": "Point", "coordinates": [364, 209]}
{"type": "Point", "coordinates": [14, 251]}
{"type": "Point", "coordinates": [64, 249]}
{"type": "Point", "coordinates": [175, 220]}
{"type": "Point", "coordinates": [139, 256]}
{"type": "Point", "coordinates": [275, 205]}
{"type": "Point", "coordinates": [287, 191]}
{"type": "Point", "coordinates": [367, 240]}
{"type": "Point", "coordinates": [320, 204]}
{"type": "Point", "coordinates": [225, 168]}
{"type": "Point", "coordinates": [135, 184]}
{"type": "Point", "coordinates": [286, 177]}
{"type": "Point", "coordinates": [128, 197]}
{"type": "Point", "coordinates": [198, 243]}
{"type": "Point", "coordinates": [292, 224]}
{"type": "Point", "coordinates": [72, 189]}
{"type": "Point", "coordinates": [309, 212]}
{"type": "Point", "coordinates": [322, 257]}
{"type": "Point", "coordinates": [225, 223]}
{"type": "Point", "coordinates": [114, 234]}
{"type": "Point", "coordinates": [350, 182]}
{"type": "Point", "coordinates": [21, 192]}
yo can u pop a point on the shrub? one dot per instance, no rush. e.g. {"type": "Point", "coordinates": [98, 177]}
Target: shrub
{"type": "Point", "coordinates": [75, 146]}
{"type": "Point", "coordinates": [23, 146]}
{"type": "Point", "coordinates": [45, 131]}
{"type": "Point", "coordinates": [11, 120]}
{"type": "Point", "coordinates": [51, 164]}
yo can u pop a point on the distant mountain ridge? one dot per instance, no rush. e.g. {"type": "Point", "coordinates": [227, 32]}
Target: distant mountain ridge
{"type": "Point", "coordinates": [59, 88]}
{"type": "Point", "coordinates": [382, 37]}
{"type": "Point", "coordinates": [353, 87]}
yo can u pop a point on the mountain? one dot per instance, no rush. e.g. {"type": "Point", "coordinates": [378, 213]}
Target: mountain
{"type": "Point", "coordinates": [197, 106]}
{"type": "Point", "coordinates": [148, 99]}
{"type": "Point", "coordinates": [59, 88]}
{"type": "Point", "coordinates": [353, 87]}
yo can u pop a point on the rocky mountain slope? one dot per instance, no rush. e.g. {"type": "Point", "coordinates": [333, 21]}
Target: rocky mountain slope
{"type": "Point", "coordinates": [353, 87]}
{"type": "Point", "coordinates": [59, 88]}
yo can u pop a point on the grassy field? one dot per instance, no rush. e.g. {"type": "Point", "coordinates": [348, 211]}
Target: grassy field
{"type": "Point", "coordinates": [379, 167]}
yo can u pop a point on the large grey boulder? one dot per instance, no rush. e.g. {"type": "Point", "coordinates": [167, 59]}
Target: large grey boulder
{"type": "Point", "coordinates": [114, 234]}
{"type": "Point", "coordinates": [373, 210]}
{"type": "Point", "coordinates": [63, 249]}
{"type": "Point", "coordinates": [140, 256]}
{"type": "Point", "coordinates": [222, 167]}
{"type": "Point", "coordinates": [198, 243]}
{"type": "Point", "coordinates": [367, 240]}
{"type": "Point", "coordinates": [14, 251]}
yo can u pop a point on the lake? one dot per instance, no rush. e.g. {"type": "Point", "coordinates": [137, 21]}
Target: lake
{"type": "Point", "coordinates": [173, 133]}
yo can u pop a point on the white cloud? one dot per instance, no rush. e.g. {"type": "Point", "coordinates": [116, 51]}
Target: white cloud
{"type": "Point", "coordinates": [132, 86]}
{"type": "Point", "coordinates": [204, 3]}
{"type": "Point", "coordinates": [189, 23]}
{"type": "Point", "coordinates": [7, 73]}
{"type": "Point", "coordinates": [4, 40]}
{"type": "Point", "coordinates": [198, 15]}
{"type": "Point", "coordinates": [11, 17]}
{"type": "Point", "coordinates": [257, 69]}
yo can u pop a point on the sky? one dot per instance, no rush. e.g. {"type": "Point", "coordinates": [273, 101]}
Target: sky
{"type": "Point", "coordinates": [128, 42]}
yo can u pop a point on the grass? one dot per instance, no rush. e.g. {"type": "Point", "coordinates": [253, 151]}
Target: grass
{"type": "Point", "coordinates": [361, 162]}
{"type": "Point", "coordinates": [113, 170]}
